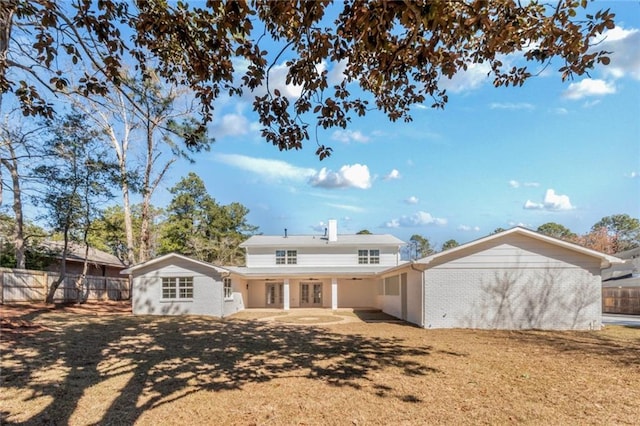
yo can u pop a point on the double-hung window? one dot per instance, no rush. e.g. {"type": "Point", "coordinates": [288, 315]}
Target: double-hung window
{"type": "Point", "coordinates": [366, 257]}
{"type": "Point", "coordinates": [177, 288]}
{"type": "Point", "coordinates": [286, 257]}
{"type": "Point", "coordinates": [228, 293]}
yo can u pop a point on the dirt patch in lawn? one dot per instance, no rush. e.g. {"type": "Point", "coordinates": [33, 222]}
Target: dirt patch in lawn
{"type": "Point", "coordinates": [121, 369]}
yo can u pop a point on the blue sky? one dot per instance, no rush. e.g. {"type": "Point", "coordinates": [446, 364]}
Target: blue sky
{"type": "Point", "coordinates": [545, 152]}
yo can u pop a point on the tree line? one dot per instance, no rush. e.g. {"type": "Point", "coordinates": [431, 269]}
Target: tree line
{"type": "Point", "coordinates": [67, 170]}
{"type": "Point", "coordinates": [611, 234]}
{"type": "Point", "coordinates": [102, 98]}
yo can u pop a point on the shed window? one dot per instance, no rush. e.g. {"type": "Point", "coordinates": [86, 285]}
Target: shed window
{"type": "Point", "coordinates": [228, 293]}
{"type": "Point", "coordinates": [177, 288]}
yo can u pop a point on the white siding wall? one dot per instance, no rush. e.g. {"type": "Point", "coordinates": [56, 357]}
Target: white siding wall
{"type": "Point", "coordinates": [414, 297]}
{"type": "Point", "coordinates": [314, 256]}
{"type": "Point", "coordinates": [236, 303]}
{"type": "Point", "coordinates": [516, 283]}
{"type": "Point", "coordinates": [207, 290]}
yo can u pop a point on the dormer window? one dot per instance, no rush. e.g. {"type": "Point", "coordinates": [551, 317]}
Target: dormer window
{"type": "Point", "coordinates": [286, 257]}
{"type": "Point", "coordinates": [368, 257]}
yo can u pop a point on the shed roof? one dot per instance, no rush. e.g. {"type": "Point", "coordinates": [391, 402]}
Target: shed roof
{"type": "Point", "coordinates": [173, 256]}
{"type": "Point", "coordinates": [359, 240]}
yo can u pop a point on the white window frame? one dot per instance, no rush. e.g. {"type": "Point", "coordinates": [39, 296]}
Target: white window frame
{"type": "Point", "coordinates": [368, 257]}
{"type": "Point", "coordinates": [286, 257]}
{"type": "Point", "coordinates": [177, 288]}
{"type": "Point", "coordinates": [227, 288]}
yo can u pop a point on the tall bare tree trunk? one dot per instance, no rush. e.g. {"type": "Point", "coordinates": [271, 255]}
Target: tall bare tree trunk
{"type": "Point", "coordinates": [18, 229]}
{"type": "Point", "coordinates": [121, 147]}
{"type": "Point", "coordinates": [7, 10]}
{"type": "Point", "coordinates": [149, 186]}
{"type": "Point", "coordinates": [126, 207]}
{"type": "Point", "coordinates": [145, 232]}
{"type": "Point", "coordinates": [63, 267]}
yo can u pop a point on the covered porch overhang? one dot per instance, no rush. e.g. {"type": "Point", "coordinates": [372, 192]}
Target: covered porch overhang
{"type": "Point", "coordinates": [302, 286]}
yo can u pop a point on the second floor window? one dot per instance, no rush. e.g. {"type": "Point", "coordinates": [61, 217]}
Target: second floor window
{"type": "Point", "coordinates": [286, 257]}
{"type": "Point", "coordinates": [366, 257]}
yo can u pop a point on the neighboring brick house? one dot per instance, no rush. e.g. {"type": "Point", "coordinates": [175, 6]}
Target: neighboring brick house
{"type": "Point", "coordinates": [100, 263]}
{"type": "Point", "coordinates": [514, 279]}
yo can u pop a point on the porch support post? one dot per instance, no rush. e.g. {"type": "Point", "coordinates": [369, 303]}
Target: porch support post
{"type": "Point", "coordinates": [334, 293]}
{"type": "Point", "coordinates": [285, 296]}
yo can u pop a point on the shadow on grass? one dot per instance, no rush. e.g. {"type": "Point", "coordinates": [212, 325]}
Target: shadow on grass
{"type": "Point", "coordinates": [623, 346]}
{"type": "Point", "coordinates": [161, 359]}
{"type": "Point", "coordinates": [376, 315]}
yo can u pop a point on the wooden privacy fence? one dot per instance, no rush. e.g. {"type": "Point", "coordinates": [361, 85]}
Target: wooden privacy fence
{"type": "Point", "coordinates": [22, 285]}
{"type": "Point", "coordinates": [621, 300]}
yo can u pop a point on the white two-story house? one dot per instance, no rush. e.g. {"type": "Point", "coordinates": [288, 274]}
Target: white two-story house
{"type": "Point", "coordinates": [514, 279]}
{"type": "Point", "coordinates": [329, 271]}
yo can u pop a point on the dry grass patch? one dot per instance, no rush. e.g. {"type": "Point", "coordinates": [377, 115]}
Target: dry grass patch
{"type": "Point", "coordinates": [309, 319]}
{"type": "Point", "coordinates": [88, 369]}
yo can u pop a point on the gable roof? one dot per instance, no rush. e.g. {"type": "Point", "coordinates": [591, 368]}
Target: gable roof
{"type": "Point", "coordinates": [75, 253]}
{"type": "Point", "coordinates": [174, 256]}
{"type": "Point", "coordinates": [605, 259]}
{"type": "Point", "coordinates": [320, 241]}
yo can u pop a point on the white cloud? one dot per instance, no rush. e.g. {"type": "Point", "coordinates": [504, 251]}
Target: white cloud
{"type": "Point", "coordinates": [232, 125]}
{"type": "Point", "coordinates": [347, 136]}
{"type": "Point", "coordinates": [336, 74]}
{"type": "Point", "coordinates": [417, 219]}
{"type": "Point", "coordinates": [552, 202]}
{"type": "Point", "coordinates": [592, 103]}
{"type": "Point", "coordinates": [392, 175]}
{"type": "Point", "coordinates": [355, 176]}
{"type": "Point", "coordinates": [560, 111]}
{"type": "Point", "coordinates": [271, 169]}
{"type": "Point", "coordinates": [516, 184]}
{"type": "Point", "coordinates": [625, 55]}
{"type": "Point", "coordinates": [462, 81]}
{"type": "Point", "coordinates": [521, 224]}
{"type": "Point", "coordinates": [468, 228]}
{"type": "Point", "coordinates": [511, 106]}
{"type": "Point", "coordinates": [589, 87]}
{"type": "Point", "coordinates": [347, 207]}
{"type": "Point", "coordinates": [412, 200]}
{"type": "Point", "coordinates": [633, 175]}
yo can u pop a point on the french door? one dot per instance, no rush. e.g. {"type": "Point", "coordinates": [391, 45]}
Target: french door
{"type": "Point", "coordinates": [311, 294]}
{"type": "Point", "coordinates": [274, 295]}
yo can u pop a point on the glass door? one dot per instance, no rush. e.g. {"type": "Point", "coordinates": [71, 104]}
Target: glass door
{"type": "Point", "coordinates": [274, 295]}
{"type": "Point", "coordinates": [311, 294]}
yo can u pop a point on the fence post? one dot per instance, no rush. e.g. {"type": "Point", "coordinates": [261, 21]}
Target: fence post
{"type": "Point", "coordinates": [1, 287]}
{"type": "Point", "coordinates": [45, 285]}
